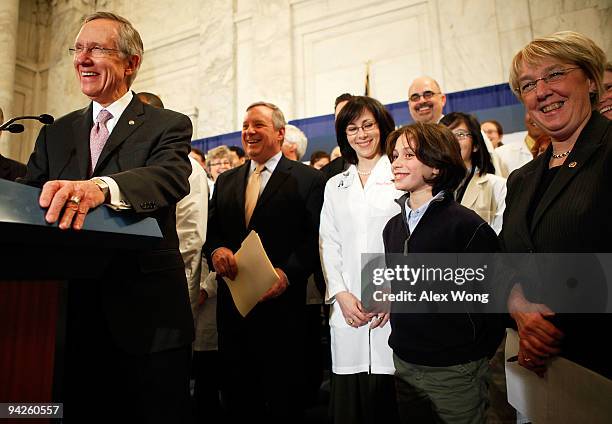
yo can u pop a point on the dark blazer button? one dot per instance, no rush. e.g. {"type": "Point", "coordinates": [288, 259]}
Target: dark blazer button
{"type": "Point", "coordinates": [572, 283]}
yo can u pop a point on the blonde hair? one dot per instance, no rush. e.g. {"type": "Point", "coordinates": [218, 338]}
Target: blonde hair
{"type": "Point", "coordinates": [219, 152]}
{"type": "Point", "coordinates": [565, 46]}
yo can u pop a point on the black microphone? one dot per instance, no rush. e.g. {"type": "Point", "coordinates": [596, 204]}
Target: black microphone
{"type": "Point", "coordinates": [44, 118]}
{"type": "Point", "coordinates": [15, 128]}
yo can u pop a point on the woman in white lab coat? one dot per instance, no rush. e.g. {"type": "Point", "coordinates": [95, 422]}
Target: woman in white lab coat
{"type": "Point", "coordinates": [358, 203]}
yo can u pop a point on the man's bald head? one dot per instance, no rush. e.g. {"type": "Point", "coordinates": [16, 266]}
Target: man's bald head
{"type": "Point", "coordinates": [425, 100]}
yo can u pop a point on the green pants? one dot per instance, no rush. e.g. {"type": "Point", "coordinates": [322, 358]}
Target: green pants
{"type": "Point", "coordinates": [453, 394]}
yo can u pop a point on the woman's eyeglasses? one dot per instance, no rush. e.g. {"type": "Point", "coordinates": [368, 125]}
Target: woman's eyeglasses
{"type": "Point", "coordinates": [366, 127]}
{"type": "Point", "coordinates": [462, 135]}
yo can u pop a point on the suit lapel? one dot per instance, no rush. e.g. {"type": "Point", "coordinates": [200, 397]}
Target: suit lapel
{"type": "Point", "coordinates": [527, 188]}
{"type": "Point", "coordinates": [278, 177]}
{"type": "Point", "coordinates": [472, 190]}
{"type": "Point", "coordinates": [585, 147]}
{"type": "Point", "coordinates": [81, 129]}
{"type": "Point", "coordinates": [243, 175]}
{"type": "Point", "coordinates": [131, 118]}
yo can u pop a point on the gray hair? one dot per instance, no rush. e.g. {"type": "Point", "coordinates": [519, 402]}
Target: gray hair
{"type": "Point", "coordinates": [294, 135]}
{"type": "Point", "coordinates": [565, 46]}
{"type": "Point", "coordinates": [218, 152]}
{"type": "Point", "coordinates": [278, 119]}
{"type": "Point", "coordinates": [129, 43]}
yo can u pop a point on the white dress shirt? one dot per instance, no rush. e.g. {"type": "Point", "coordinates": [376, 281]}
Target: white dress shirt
{"type": "Point", "coordinates": [265, 175]}
{"type": "Point", "coordinates": [117, 201]}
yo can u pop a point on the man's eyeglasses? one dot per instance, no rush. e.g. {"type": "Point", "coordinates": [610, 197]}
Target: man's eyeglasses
{"type": "Point", "coordinates": [223, 162]}
{"type": "Point", "coordinates": [462, 135]}
{"type": "Point", "coordinates": [425, 94]}
{"type": "Point", "coordinates": [366, 127]}
{"type": "Point", "coordinates": [95, 51]}
{"type": "Point", "coordinates": [550, 78]}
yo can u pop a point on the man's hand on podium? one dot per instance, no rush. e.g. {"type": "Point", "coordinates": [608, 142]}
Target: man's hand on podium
{"type": "Point", "coordinates": [76, 198]}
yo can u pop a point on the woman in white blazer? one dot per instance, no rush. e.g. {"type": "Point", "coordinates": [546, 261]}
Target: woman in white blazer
{"type": "Point", "coordinates": [357, 205]}
{"type": "Point", "coordinates": [481, 190]}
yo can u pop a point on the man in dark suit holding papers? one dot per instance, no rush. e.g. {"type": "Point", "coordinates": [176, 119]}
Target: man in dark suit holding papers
{"type": "Point", "coordinates": [281, 200]}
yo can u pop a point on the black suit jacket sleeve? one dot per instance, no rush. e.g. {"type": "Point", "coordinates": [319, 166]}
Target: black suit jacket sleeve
{"type": "Point", "coordinates": [11, 169]}
{"type": "Point", "coordinates": [304, 259]}
{"type": "Point", "coordinates": [163, 181]}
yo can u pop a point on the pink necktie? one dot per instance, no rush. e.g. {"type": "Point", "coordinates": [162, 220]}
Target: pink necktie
{"type": "Point", "coordinates": [98, 137]}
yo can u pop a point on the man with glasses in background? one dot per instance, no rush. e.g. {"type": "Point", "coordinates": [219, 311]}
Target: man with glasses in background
{"type": "Point", "coordinates": [129, 331]}
{"type": "Point", "coordinates": [425, 103]}
{"type": "Point", "coordinates": [426, 100]}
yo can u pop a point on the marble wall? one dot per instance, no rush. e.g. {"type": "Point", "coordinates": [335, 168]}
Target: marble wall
{"type": "Point", "coordinates": [211, 58]}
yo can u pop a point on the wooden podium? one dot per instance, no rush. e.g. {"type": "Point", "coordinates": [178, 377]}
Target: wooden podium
{"type": "Point", "coordinates": [36, 262]}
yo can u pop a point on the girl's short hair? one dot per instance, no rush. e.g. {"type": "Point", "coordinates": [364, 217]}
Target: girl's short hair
{"type": "Point", "coordinates": [435, 146]}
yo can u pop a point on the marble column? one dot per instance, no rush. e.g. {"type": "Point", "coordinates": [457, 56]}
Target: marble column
{"type": "Point", "coordinates": [9, 19]}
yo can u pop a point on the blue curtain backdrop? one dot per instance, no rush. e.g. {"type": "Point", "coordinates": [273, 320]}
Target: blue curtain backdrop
{"type": "Point", "coordinates": [493, 102]}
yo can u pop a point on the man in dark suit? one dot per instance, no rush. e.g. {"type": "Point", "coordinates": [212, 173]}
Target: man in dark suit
{"type": "Point", "coordinates": [129, 332]}
{"type": "Point", "coordinates": [262, 353]}
{"type": "Point", "coordinates": [339, 164]}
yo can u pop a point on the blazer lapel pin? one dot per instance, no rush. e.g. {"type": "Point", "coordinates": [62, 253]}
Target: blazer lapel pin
{"type": "Point", "coordinates": [572, 164]}
{"type": "Point", "coordinates": [131, 122]}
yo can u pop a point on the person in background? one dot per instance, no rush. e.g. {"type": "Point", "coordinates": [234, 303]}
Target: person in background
{"type": "Point", "coordinates": [426, 100]}
{"type": "Point", "coordinates": [335, 153]}
{"type": "Point", "coordinates": [10, 169]}
{"type": "Point", "coordinates": [540, 145]}
{"type": "Point", "coordinates": [357, 204]}
{"type": "Point", "coordinates": [514, 155]}
{"type": "Point", "coordinates": [493, 131]}
{"type": "Point", "coordinates": [481, 190]}
{"type": "Point", "coordinates": [295, 143]}
{"type": "Point", "coordinates": [337, 164]}
{"type": "Point", "coordinates": [441, 360]}
{"type": "Point", "coordinates": [562, 200]}
{"type": "Point", "coordinates": [199, 156]}
{"type": "Point", "coordinates": [237, 155]}
{"type": "Point", "coordinates": [150, 99]}
{"type": "Point", "coordinates": [319, 159]}
{"type": "Point", "coordinates": [605, 104]}
{"type": "Point", "coordinates": [219, 161]}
